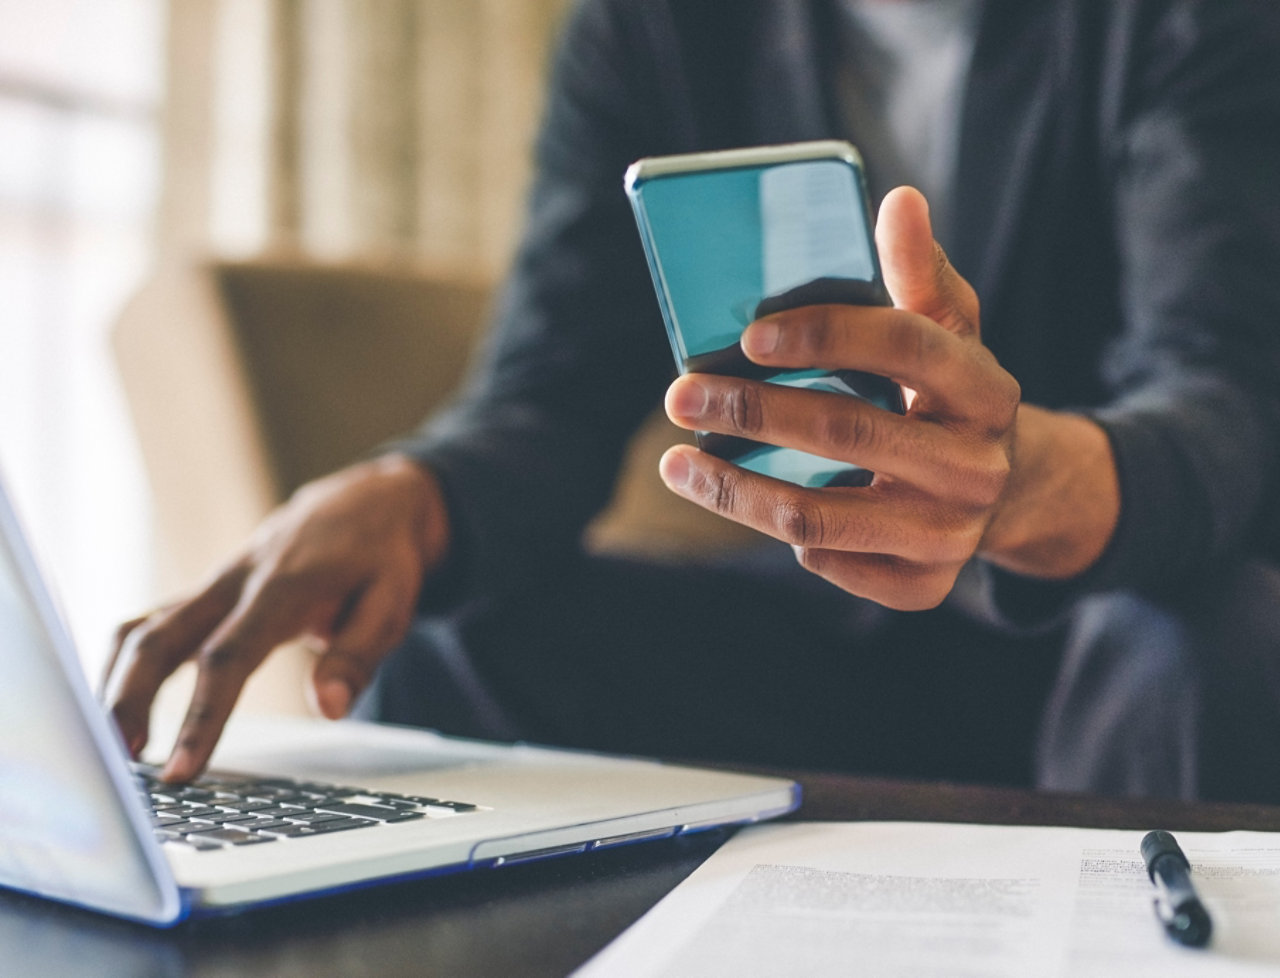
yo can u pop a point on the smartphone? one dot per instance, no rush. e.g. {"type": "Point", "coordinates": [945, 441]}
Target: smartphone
{"type": "Point", "coordinates": [734, 235]}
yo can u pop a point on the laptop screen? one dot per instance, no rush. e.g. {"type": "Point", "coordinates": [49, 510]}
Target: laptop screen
{"type": "Point", "coordinates": [64, 830]}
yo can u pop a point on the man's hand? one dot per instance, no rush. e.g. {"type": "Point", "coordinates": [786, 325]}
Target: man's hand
{"type": "Point", "coordinates": [340, 565]}
{"type": "Point", "coordinates": [967, 470]}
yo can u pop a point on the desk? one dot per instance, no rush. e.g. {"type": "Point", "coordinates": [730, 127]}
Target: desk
{"type": "Point", "coordinates": [531, 920]}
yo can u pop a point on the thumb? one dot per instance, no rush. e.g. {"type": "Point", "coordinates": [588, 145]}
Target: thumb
{"type": "Point", "coordinates": [332, 689]}
{"type": "Point", "coordinates": [351, 656]}
{"type": "Point", "coordinates": [916, 270]}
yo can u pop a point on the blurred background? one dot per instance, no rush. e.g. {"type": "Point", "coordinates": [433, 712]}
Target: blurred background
{"type": "Point", "coordinates": [144, 135]}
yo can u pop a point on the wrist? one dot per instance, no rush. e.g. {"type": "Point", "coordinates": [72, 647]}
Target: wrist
{"type": "Point", "coordinates": [1061, 503]}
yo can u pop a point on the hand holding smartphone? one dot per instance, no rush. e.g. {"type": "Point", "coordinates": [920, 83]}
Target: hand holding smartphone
{"type": "Point", "coordinates": [736, 235]}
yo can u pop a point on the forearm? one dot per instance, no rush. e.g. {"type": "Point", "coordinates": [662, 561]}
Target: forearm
{"type": "Point", "coordinates": [1061, 504]}
{"type": "Point", "coordinates": [519, 484]}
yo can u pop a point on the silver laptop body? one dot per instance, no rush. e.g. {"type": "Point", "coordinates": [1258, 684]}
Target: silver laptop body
{"type": "Point", "coordinates": [76, 826]}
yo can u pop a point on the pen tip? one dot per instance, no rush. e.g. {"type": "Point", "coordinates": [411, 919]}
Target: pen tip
{"type": "Point", "coordinates": [1193, 926]}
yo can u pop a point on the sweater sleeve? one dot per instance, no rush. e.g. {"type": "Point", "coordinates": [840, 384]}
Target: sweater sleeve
{"type": "Point", "coordinates": [1191, 126]}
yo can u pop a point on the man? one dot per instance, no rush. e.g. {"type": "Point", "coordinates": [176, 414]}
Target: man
{"type": "Point", "coordinates": [1065, 571]}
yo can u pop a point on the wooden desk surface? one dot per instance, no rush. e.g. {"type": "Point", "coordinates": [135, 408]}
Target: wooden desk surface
{"type": "Point", "coordinates": [541, 919]}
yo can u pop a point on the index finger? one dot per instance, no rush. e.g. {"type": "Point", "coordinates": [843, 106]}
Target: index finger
{"type": "Point", "coordinates": [257, 625]}
{"type": "Point", "coordinates": [150, 651]}
{"type": "Point", "coordinates": [952, 372]}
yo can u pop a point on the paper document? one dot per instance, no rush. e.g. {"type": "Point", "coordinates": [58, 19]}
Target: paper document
{"type": "Point", "coordinates": [919, 900]}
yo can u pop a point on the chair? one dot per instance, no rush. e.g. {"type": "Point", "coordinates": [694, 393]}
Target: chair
{"type": "Point", "coordinates": [247, 379]}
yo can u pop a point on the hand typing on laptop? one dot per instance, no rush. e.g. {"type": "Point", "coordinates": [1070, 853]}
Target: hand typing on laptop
{"type": "Point", "coordinates": [341, 565]}
{"type": "Point", "coordinates": [83, 827]}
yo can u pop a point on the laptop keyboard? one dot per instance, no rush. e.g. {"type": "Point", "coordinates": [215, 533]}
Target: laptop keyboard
{"type": "Point", "coordinates": [219, 810]}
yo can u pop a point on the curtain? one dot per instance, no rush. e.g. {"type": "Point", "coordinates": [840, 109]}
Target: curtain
{"type": "Point", "coordinates": [352, 128]}
{"type": "Point", "coordinates": [80, 88]}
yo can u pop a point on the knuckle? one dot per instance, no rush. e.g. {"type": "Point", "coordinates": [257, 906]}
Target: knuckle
{"type": "Point", "coordinates": [1006, 395]}
{"type": "Point", "coordinates": [199, 714]}
{"type": "Point", "coordinates": [959, 546]}
{"type": "Point", "coordinates": [981, 485]}
{"type": "Point", "coordinates": [973, 481]}
{"type": "Point", "coordinates": [950, 540]}
{"type": "Point", "coordinates": [219, 658]}
{"type": "Point", "coordinates": [849, 430]}
{"type": "Point", "coordinates": [822, 339]}
{"type": "Point", "coordinates": [281, 580]}
{"type": "Point", "coordinates": [1001, 395]}
{"type": "Point", "coordinates": [993, 479]}
{"type": "Point", "coordinates": [1011, 391]}
{"type": "Point", "coordinates": [800, 522]}
{"type": "Point", "coordinates": [742, 407]}
{"type": "Point", "coordinates": [719, 490]}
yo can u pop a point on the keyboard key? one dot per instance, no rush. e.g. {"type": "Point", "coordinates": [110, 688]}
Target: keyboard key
{"type": "Point", "coordinates": [278, 811]}
{"type": "Point", "coordinates": [196, 828]}
{"type": "Point", "coordinates": [402, 803]}
{"type": "Point", "coordinates": [370, 811]}
{"type": "Point", "coordinates": [265, 823]}
{"type": "Point", "coordinates": [200, 842]}
{"type": "Point", "coordinates": [341, 825]}
{"type": "Point", "coordinates": [235, 837]}
{"type": "Point", "coordinates": [457, 806]}
{"type": "Point", "coordinates": [244, 805]}
{"type": "Point", "coordinates": [227, 818]}
{"type": "Point", "coordinates": [311, 818]}
{"type": "Point", "coordinates": [290, 830]}
{"type": "Point", "coordinates": [165, 835]}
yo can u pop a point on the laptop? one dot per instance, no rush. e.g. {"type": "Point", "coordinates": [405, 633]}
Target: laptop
{"type": "Point", "coordinates": [294, 806]}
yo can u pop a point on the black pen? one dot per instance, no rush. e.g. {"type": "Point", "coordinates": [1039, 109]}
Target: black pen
{"type": "Point", "coordinates": [1178, 907]}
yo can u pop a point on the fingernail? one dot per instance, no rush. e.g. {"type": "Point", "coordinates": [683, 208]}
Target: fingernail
{"type": "Point", "coordinates": [761, 338]}
{"type": "Point", "coordinates": [333, 697]}
{"type": "Point", "coordinates": [687, 399]}
{"type": "Point", "coordinates": [675, 470]}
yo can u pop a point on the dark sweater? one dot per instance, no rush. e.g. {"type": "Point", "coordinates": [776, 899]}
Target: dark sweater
{"type": "Point", "coordinates": [1117, 208]}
